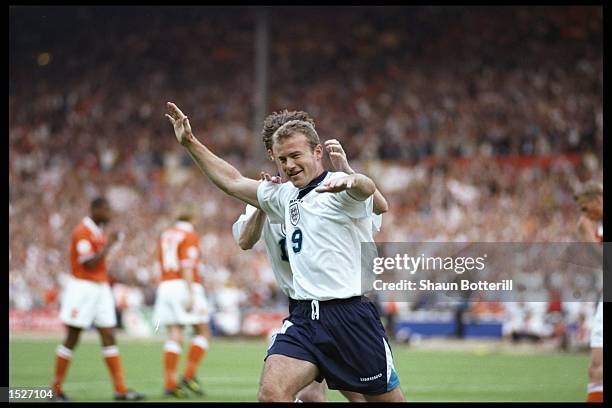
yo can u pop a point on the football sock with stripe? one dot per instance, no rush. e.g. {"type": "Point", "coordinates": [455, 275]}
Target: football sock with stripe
{"type": "Point", "coordinates": [113, 361]}
{"type": "Point", "coordinates": [172, 352]}
{"type": "Point", "coordinates": [594, 392]}
{"type": "Point", "coordinates": [196, 353]}
{"type": "Point", "coordinates": [63, 355]}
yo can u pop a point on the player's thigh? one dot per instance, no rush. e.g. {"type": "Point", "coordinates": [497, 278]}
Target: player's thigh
{"type": "Point", "coordinates": [175, 333]}
{"type": "Point", "coordinates": [395, 395]}
{"type": "Point", "coordinates": [79, 303]}
{"type": "Point", "coordinates": [107, 336]}
{"type": "Point", "coordinates": [105, 310]}
{"type": "Point", "coordinates": [285, 376]}
{"type": "Point", "coordinates": [201, 329]}
{"type": "Point", "coordinates": [314, 392]}
{"type": "Point", "coordinates": [200, 314]}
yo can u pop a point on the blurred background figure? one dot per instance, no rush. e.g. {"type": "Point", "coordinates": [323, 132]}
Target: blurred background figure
{"type": "Point", "coordinates": [88, 301]}
{"type": "Point", "coordinates": [181, 301]}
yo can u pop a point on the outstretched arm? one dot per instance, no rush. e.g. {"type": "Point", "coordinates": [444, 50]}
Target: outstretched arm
{"type": "Point", "coordinates": [220, 172]}
{"type": "Point", "coordinates": [357, 185]}
{"type": "Point", "coordinates": [339, 161]}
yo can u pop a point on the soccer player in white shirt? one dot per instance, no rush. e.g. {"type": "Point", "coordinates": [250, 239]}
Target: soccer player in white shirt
{"type": "Point", "coordinates": [333, 332]}
{"type": "Point", "coordinates": [249, 227]}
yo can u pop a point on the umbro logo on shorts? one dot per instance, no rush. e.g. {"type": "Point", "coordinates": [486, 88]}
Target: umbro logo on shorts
{"type": "Point", "coordinates": [364, 379]}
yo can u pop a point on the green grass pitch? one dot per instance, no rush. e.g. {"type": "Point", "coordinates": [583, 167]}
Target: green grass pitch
{"type": "Point", "coordinates": [231, 370]}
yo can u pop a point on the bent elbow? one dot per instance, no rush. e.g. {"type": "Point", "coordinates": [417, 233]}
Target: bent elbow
{"type": "Point", "coordinates": [381, 209]}
{"type": "Point", "coordinates": [244, 244]}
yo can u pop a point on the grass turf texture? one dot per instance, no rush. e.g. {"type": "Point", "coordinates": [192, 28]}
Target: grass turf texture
{"type": "Point", "coordinates": [231, 370]}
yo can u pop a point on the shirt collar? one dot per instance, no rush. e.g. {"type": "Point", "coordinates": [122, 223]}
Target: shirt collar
{"type": "Point", "coordinates": [312, 185]}
{"type": "Point", "coordinates": [184, 225]}
{"type": "Point", "coordinates": [93, 227]}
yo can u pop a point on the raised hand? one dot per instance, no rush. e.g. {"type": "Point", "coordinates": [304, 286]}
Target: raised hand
{"type": "Point", "coordinates": [114, 237]}
{"type": "Point", "coordinates": [338, 184]}
{"type": "Point", "coordinates": [267, 177]}
{"type": "Point", "coordinates": [180, 123]}
{"type": "Point", "coordinates": [337, 156]}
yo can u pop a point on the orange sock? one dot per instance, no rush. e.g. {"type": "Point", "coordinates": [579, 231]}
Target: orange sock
{"type": "Point", "coordinates": [595, 393]}
{"type": "Point", "coordinates": [595, 396]}
{"type": "Point", "coordinates": [62, 359]}
{"type": "Point", "coordinates": [113, 361]}
{"type": "Point", "coordinates": [172, 352]}
{"type": "Point", "coordinates": [197, 351]}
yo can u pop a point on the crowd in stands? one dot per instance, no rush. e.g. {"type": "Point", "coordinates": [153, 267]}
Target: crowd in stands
{"type": "Point", "coordinates": [476, 123]}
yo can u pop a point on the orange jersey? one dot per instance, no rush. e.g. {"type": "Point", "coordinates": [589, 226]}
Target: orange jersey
{"type": "Point", "coordinates": [179, 247]}
{"type": "Point", "coordinates": [86, 241]}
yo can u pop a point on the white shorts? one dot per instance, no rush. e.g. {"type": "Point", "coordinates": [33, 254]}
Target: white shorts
{"type": "Point", "coordinates": [597, 327]}
{"type": "Point", "coordinates": [86, 302]}
{"type": "Point", "coordinates": [170, 302]}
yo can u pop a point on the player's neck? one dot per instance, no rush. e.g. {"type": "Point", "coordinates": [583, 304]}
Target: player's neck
{"type": "Point", "coordinates": [97, 221]}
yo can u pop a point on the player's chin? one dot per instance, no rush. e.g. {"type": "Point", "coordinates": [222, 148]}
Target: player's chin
{"type": "Point", "coordinates": [298, 180]}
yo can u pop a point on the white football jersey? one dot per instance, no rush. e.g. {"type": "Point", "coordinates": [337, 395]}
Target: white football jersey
{"type": "Point", "coordinates": [274, 238]}
{"type": "Point", "coordinates": [324, 233]}
{"type": "Point", "coordinates": [276, 246]}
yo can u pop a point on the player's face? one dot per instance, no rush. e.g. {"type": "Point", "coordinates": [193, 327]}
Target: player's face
{"type": "Point", "coordinates": [296, 160]}
{"type": "Point", "coordinates": [102, 214]}
{"type": "Point", "coordinates": [594, 208]}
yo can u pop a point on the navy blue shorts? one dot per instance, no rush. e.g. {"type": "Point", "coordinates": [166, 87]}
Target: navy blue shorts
{"type": "Point", "coordinates": [344, 338]}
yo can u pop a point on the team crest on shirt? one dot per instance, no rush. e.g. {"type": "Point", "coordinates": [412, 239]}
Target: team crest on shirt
{"type": "Point", "coordinates": [294, 213]}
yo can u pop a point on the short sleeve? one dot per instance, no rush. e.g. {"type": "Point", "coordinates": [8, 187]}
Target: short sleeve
{"type": "Point", "coordinates": [355, 208]}
{"type": "Point", "coordinates": [271, 200]}
{"type": "Point", "coordinates": [376, 222]}
{"type": "Point", "coordinates": [83, 246]}
{"type": "Point", "coordinates": [239, 224]}
{"type": "Point", "coordinates": [189, 252]}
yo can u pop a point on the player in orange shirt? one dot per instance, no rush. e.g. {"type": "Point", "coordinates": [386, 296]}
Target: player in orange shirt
{"type": "Point", "coordinates": [181, 301]}
{"type": "Point", "coordinates": [88, 300]}
{"type": "Point", "coordinates": [590, 200]}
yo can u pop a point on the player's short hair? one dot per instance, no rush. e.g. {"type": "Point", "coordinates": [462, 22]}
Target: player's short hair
{"type": "Point", "coordinates": [589, 191]}
{"type": "Point", "coordinates": [297, 126]}
{"type": "Point", "coordinates": [277, 119]}
{"type": "Point", "coordinates": [98, 202]}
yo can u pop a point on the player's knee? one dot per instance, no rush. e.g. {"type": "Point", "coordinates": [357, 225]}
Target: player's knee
{"type": "Point", "coordinates": [108, 337]}
{"type": "Point", "coordinates": [272, 394]}
{"type": "Point", "coordinates": [595, 371]}
{"type": "Point", "coordinates": [72, 338]}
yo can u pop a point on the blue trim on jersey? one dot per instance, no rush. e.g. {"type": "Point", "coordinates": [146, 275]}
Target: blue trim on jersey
{"type": "Point", "coordinates": [393, 381]}
{"type": "Point", "coordinates": [311, 186]}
